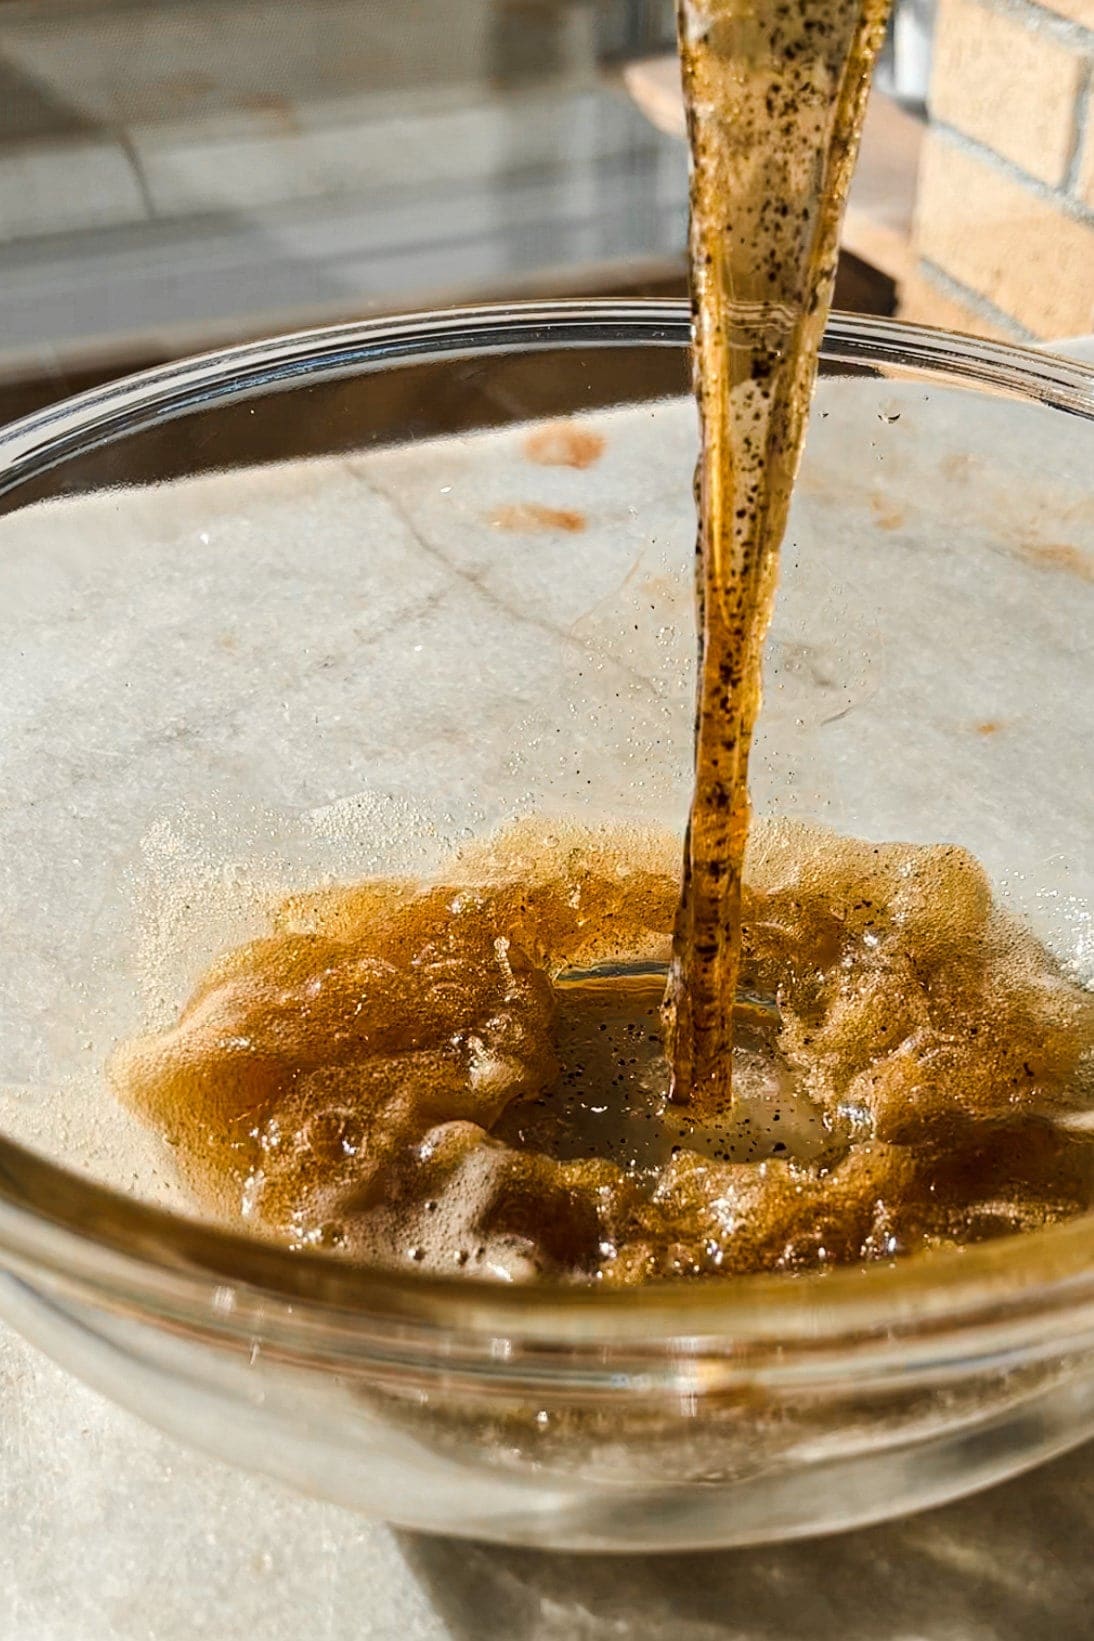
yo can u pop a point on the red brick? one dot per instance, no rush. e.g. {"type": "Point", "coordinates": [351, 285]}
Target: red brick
{"type": "Point", "coordinates": [1027, 255]}
{"type": "Point", "coordinates": [1076, 11]}
{"type": "Point", "coordinates": [1010, 84]}
{"type": "Point", "coordinates": [925, 303]}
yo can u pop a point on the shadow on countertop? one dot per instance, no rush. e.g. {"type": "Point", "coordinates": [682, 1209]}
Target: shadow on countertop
{"type": "Point", "coordinates": [1015, 1563]}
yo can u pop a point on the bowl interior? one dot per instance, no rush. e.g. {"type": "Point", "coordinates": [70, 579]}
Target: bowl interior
{"type": "Point", "coordinates": [335, 616]}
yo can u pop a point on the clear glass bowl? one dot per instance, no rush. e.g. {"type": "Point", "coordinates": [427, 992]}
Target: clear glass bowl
{"type": "Point", "coordinates": [324, 605]}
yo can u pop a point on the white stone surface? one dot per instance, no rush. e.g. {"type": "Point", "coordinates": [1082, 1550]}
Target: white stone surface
{"type": "Point", "coordinates": [59, 187]}
{"type": "Point", "coordinates": [111, 1532]}
{"type": "Point", "coordinates": [173, 175]}
{"type": "Point", "coordinates": [108, 1531]}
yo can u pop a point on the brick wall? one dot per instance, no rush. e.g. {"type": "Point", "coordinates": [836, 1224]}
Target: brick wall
{"type": "Point", "coordinates": [1004, 234]}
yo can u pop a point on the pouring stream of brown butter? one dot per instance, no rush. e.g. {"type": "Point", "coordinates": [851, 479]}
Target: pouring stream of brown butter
{"type": "Point", "coordinates": [776, 95]}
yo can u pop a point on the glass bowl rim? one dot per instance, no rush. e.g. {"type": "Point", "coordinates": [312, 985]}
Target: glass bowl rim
{"type": "Point", "coordinates": [97, 1244]}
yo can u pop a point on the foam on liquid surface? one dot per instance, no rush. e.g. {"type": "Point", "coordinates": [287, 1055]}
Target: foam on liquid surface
{"type": "Point", "coordinates": [468, 1073]}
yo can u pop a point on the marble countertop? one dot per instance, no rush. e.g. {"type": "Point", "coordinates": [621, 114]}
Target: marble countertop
{"type": "Point", "coordinates": [177, 1545]}
{"type": "Point", "coordinates": [266, 165]}
{"type": "Point", "coordinates": [110, 1531]}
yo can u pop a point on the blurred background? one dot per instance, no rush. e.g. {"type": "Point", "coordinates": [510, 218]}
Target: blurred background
{"type": "Point", "coordinates": [177, 174]}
